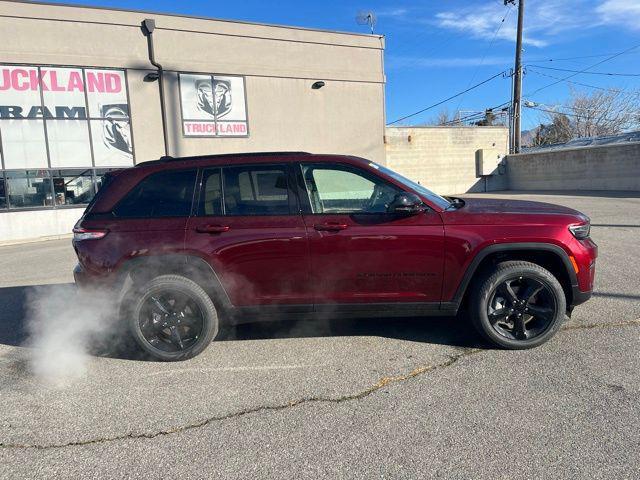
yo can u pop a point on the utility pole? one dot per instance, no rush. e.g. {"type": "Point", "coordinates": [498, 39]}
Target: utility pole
{"type": "Point", "coordinates": [517, 84]}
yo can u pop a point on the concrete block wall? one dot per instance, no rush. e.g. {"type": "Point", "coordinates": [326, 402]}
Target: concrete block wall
{"type": "Point", "coordinates": [443, 159]}
{"type": "Point", "coordinates": [606, 167]}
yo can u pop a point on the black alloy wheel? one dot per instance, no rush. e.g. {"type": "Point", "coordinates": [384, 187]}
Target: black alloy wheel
{"type": "Point", "coordinates": [517, 305]}
{"type": "Point", "coordinates": [171, 320]}
{"type": "Point", "coordinates": [171, 317]}
{"type": "Point", "coordinates": [521, 308]}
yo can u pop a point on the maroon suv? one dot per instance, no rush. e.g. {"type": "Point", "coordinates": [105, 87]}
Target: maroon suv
{"type": "Point", "coordinates": [193, 244]}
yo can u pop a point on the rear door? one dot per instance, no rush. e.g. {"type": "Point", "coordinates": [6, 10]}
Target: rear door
{"type": "Point", "coordinates": [248, 226]}
{"type": "Point", "coordinates": [359, 252]}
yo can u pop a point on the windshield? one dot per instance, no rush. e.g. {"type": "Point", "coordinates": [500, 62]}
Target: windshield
{"type": "Point", "coordinates": [432, 197]}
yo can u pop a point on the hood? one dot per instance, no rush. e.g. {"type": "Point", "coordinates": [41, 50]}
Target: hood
{"type": "Point", "coordinates": [506, 206]}
{"type": "Point", "coordinates": [493, 211]}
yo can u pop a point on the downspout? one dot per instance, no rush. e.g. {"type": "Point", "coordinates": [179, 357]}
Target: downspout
{"type": "Point", "coordinates": [148, 26]}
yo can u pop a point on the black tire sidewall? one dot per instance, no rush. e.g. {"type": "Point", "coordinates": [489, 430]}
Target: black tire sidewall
{"type": "Point", "coordinates": [490, 283]}
{"type": "Point", "coordinates": [193, 290]}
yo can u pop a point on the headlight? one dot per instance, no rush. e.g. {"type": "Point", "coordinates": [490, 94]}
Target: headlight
{"type": "Point", "coordinates": [580, 231]}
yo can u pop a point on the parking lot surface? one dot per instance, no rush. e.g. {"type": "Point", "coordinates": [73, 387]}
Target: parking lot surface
{"type": "Point", "coordinates": [384, 398]}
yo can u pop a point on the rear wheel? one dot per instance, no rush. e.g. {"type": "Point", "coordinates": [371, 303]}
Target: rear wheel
{"type": "Point", "coordinates": [172, 318]}
{"type": "Point", "coordinates": [519, 305]}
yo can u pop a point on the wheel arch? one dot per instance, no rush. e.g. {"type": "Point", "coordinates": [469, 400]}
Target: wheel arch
{"type": "Point", "coordinates": [549, 256]}
{"type": "Point", "coordinates": [140, 270]}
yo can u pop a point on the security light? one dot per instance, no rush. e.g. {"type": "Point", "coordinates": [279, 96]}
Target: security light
{"type": "Point", "coordinates": [151, 77]}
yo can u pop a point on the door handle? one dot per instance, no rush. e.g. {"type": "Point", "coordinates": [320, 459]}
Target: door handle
{"type": "Point", "coordinates": [330, 226]}
{"type": "Point", "coordinates": [212, 228]}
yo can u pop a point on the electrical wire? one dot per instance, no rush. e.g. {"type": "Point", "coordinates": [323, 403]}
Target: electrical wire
{"type": "Point", "coordinates": [584, 70]}
{"type": "Point", "coordinates": [446, 99]}
{"type": "Point", "coordinates": [571, 114]}
{"type": "Point", "coordinates": [571, 58]}
{"type": "Point", "coordinates": [590, 73]}
{"type": "Point", "coordinates": [484, 55]}
{"type": "Point", "coordinates": [612, 90]}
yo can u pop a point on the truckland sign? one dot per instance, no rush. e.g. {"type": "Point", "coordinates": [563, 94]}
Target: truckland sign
{"type": "Point", "coordinates": [64, 117]}
{"type": "Point", "coordinates": [213, 106]}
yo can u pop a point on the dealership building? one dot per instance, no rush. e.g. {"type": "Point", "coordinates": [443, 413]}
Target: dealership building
{"type": "Point", "coordinates": [79, 96]}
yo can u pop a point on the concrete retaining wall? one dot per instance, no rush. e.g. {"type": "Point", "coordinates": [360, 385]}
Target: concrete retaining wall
{"type": "Point", "coordinates": [443, 159]}
{"type": "Point", "coordinates": [606, 167]}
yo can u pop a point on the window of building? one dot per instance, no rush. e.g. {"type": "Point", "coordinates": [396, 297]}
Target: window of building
{"type": "Point", "coordinates": [164, 194]}
{"type": "Point", "coordinates": [256, 190]}
{"type": "Point", "coordinates": [3, 192]}
{"type": "Point", "coordinates": [29, 188]}
{"type": "Point", "coordinates": [336, 189]}
{"type": "Point", "coordinates": [72, 186]}
{"type": "Point", "coordinates": [53, 119]}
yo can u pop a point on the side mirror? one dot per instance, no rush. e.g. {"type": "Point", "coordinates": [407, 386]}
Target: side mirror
{"type": "Point", "coordinates": [406, 203]}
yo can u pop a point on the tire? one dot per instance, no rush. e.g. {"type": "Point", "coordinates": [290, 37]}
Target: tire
{"type": "Point", "coordinates": [171, 318]}
{"type": "Point", "coordinates": [499, 314]}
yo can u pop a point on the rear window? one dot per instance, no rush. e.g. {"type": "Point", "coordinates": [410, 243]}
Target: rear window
{"type": "Point", "coordinates": [163, 194]}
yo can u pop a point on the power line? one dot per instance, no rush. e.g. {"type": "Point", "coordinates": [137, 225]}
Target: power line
{"type": "Point", "coordinates": [484, 55]}
{"type": "Point", "coordinates": [630, 114]}
{"type": "Point", "coordinates": [572, 58]}
{"type": "Point", "coordinates": [584, 70]}
{"type": "Point", "coordinates": [446, 99]}
{"type": "Point", "coordinates": [612, 90]}
{"type": "Point", "coordinates": [590, 73]}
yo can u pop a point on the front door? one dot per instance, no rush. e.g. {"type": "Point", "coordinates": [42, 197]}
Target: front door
{"type": "Point", "coordinates": [248, 227]}
{"type": "Point", "coordinates": [359, 252]}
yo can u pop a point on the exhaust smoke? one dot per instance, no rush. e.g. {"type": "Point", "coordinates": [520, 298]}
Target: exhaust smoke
{"type": "Point", "coordinates": [64, 326]}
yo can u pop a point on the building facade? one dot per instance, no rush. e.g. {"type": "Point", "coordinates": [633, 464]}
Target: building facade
{"type": "Point", "coordinates": [78, 97]}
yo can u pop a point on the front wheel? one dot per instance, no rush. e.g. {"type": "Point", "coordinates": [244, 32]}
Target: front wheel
{"type": "Point", "coordinates": [172, 318]}
{"type": "Point", "coordinates": [519, 305]}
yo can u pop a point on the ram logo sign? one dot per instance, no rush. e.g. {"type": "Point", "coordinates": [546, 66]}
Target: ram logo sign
{"type": "Point", "coordinates": [213, 106]}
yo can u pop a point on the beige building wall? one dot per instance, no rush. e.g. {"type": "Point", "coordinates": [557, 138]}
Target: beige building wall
{"type": "Point", "coordinates": [280, 65]}
{"type": "Point", "coordinates": [444, 159]}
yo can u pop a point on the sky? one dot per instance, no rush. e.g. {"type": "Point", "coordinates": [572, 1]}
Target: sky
{"type": "Point", "coordinates": [438, 48]}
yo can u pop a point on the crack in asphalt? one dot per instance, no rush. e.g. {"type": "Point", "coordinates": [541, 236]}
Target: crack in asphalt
{"type": "Point", "coordinates": [384, 381]}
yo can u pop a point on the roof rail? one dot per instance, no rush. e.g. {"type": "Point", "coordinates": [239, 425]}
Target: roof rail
{"type": "Point", "coordinates": [168, 158]}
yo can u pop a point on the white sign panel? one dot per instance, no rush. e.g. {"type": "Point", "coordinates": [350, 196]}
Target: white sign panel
{"type": "Point", "coordinates": [213, 106]}
{"type": "Point", "coordinates": [71, 113]}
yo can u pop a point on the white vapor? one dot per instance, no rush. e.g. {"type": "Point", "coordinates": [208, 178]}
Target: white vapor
{"type": "Point", "coordinates": [63, 326]}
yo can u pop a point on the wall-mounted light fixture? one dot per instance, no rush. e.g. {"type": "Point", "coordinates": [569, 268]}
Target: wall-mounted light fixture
{"type": "Point", "coordinates": [151, 77]}
{"type": "Point", "coordinates": [317, 85]}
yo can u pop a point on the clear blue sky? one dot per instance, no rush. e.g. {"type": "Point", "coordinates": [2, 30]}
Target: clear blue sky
{"type": "Point", "coordinates": [436, 48]}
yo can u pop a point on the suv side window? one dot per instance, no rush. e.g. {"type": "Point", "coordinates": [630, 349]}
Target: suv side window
{"type": "Point", "coordinates": [255, 190]}
{"type": "Point", "coordinates": [344, 189]}
{"type": "Point", "coordinates": [162, 194]}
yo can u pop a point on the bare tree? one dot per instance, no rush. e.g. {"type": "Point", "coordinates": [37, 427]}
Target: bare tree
{"type": "Point", "coordinates": [596, 114]}
{"type": "Point", "coordinates": [603, 113]}
{"type": "Point", "coordinates": [442, 118]}
{"type": "Point", "coordinates": [558, 131]}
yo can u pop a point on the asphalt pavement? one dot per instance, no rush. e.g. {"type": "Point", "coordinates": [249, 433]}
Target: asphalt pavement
{"type": "Point", "coordinates": [385, 398]}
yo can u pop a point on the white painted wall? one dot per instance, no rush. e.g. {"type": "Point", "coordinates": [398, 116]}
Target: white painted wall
{"type": "Point", "coordinates": [30, 225]}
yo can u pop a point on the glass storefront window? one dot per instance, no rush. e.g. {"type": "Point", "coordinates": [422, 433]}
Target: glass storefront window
{"type": "Point", "coordinates": [3, 192]}
{"type": "Point", "coordinates": [72, 187]}
{"type": "Point", "coordinates": [23, 143]}
{"type": "Point", "coordinates": [69, 143]}
{"type": "Point", "coordinates": [29, 188]}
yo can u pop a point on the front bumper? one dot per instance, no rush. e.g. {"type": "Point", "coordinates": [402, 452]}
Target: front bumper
{"type": "Point", "coordinates": [579, 296]}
